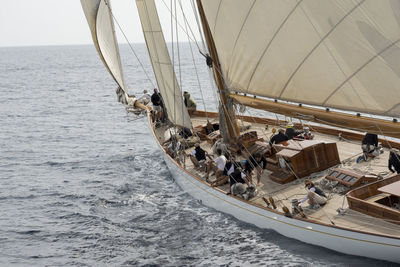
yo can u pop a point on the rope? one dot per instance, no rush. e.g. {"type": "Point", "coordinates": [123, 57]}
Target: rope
{"type": "Point", "coordinates": [187, 34]}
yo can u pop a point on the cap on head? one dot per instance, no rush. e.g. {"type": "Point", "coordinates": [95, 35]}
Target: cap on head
{"type": "Point", "coordinates": [289, 125]}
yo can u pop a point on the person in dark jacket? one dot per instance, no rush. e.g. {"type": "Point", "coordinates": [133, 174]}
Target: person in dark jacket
{"type": "Point", "coordinates": [157, 107]}
{"type": "Point", "coordinates": [259, 163]}
{"type": "Point", "coordinates": [238, 182]}
{"type": "Point", "coordinates": [291, 132]}
{"type": "Point", "coordinates": [369, 146]}
{"type": "Point", "coordinates": [394, 161]}
{"type": "Point", "coordinates": [279, 138]}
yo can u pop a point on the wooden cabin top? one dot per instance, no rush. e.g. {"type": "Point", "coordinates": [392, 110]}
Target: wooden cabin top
{"type": "Point", "coordinates": [393, 189]}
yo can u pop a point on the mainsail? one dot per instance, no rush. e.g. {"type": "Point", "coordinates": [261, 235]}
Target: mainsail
{"type": "Point", "coordinates": [99, 17]}
{"type": "Point", "coordinates": [161, 62]}
{"type": "Point", "coordinates": [341, 54]}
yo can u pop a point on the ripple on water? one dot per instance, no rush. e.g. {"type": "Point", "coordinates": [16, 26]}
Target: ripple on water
{"type": "Point", "coordinates": [84, 184]}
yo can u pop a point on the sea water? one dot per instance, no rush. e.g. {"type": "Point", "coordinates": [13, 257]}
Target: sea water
{"type": "Point", "coordinates": [83, 183]}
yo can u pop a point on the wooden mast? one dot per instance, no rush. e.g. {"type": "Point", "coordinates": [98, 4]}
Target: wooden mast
{"type": "Point", "coordinates": [349, 121]}
{"type": "Point", "coordinates": [231, 122]}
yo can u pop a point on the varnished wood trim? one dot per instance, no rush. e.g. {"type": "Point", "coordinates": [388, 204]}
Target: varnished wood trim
{"type": "Point", "coordinates": [272, 210]}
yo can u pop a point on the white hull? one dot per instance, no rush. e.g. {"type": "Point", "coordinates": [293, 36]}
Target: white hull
{"type": "Point", "coordinates": [345, 241]}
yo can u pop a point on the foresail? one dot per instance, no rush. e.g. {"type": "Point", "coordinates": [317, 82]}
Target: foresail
{"type": "Point", "coordinates": [339, 53]}
{"type": "Point", "coordinates": [99, 17]}
{"type": "Point", "coordinates": [161, 62]}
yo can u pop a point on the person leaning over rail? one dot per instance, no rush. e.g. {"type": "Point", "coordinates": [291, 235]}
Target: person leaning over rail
{"type": "Point", "coordinates": [315, 196]}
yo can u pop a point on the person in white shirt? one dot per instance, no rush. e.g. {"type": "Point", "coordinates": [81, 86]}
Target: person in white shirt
{"type": "Point", "coordinates": [217, 166]}
{"type": "Point", "coordinates": [315, 196]}
{"type": "Point", "coordinates": [145, 98]}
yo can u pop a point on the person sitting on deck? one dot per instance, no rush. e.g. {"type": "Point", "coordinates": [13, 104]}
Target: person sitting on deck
{"type": "Point", "coordinates": [219, 144]}
{"type": "Point", "coordinates": [238, 182]}
{"type": "Point", "coordinates": [291, 131]}
{"type": "Point", "coordinates": [307, 135]}
{"type": "Point", "coordinates": [211, 127]}
{"type": "Point", "coordinates": [174, 147]}
{"type": "Point", "coordinates": [198, 156]}
{"type": "Point", "coordinates": [230, 166]}
{"type": "Point", "coordinates": [279, 138]}
{"type": "Point", "coordinates": [189, 103]}
{"type": "Point", "coordinates": [254, 162]}
{"type": "Point", "coordinates": [217, 165]}
{"type": "Point", "coordinates": [394, 161]}
{"type": "Point", "coordinates": [315, 196]}
{"type": "Point", "coordinates": [369, 146]}
{"type": "Point", "coordinates": [185, 133]}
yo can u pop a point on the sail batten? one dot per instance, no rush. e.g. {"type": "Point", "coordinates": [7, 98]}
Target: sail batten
{"type": "Point", "coordinates": [337, 54]}
{"type": "Point", "coordinates": [162, 65]}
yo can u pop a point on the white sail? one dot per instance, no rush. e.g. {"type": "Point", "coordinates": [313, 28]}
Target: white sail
{"type": "Point", "coordinates": [343, 54]}
{"type": "Point", "coordinates": [161, 62]}
{"type": "Point", "coordinates": [99, 17]}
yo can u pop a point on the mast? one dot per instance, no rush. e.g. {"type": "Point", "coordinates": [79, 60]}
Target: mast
{"type": "Point", "coordinates": [229, 113]}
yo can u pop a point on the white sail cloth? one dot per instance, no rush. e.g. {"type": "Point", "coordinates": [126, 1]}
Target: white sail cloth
{"type": "Point", "coordinates": [161, 62]}
{"type": "Point", "coordinates": [343, 54]}
{"type": "Point", "coordinates": [99, 17]}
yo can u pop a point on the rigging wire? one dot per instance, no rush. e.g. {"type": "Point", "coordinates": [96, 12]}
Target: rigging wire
{"type": "Point", "coordinates": [194, 64]}
{"type": "Point", "coordinates": [196, 15]}
{"type": "Point", "coordinates": [131, 47]}
{"type": "Point", "coordinates": [170, 11]}
{"type": "Point", "coordinates": [173, 58]}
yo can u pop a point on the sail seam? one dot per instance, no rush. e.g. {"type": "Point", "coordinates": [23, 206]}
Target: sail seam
{"type": "Point", "coordinates": [238, 36]}
{"type": "Point", "coordinates": [361, 68]}
{"type": "Point", "coordinates": [330, 52]}
{"type": "Point", "coordinates": [216, 16]}
{"type": "Point", "coordinates": [270, 42]}
{"type": "Point", "coordinates": [318, 45]}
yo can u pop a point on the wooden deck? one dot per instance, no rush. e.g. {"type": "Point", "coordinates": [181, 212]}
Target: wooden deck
{"type": "Point", "coordinates": [284, 193]}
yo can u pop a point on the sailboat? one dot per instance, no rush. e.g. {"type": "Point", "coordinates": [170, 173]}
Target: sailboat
{"type": "Point", "coordinates": [330, 66]}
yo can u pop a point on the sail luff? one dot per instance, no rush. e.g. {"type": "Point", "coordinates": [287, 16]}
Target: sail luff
{"type": "Point", "coordinates": [161, 63]}
{"type": "Point", "coordinates": [99, 17]}
{"type": "Point", "coordinates": [336, 54]}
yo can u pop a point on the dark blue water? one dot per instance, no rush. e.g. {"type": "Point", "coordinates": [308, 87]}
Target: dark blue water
{"type": "Point", "coordinates": [84, 184]}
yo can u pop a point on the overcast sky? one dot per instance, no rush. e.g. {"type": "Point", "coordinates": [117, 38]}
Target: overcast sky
{"type": "Point", "coordinates": [59, 22]}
